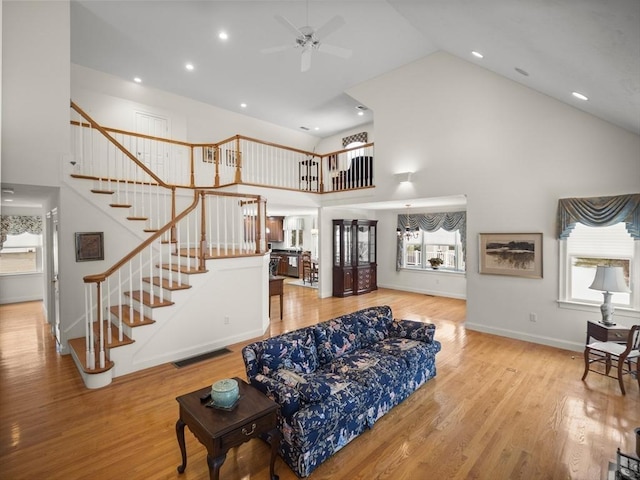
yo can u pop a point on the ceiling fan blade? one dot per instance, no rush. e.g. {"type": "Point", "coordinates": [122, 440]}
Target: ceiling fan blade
{"type": "Point", "coordinates": [328, 28]}
{"type": "Point", "coordinates": [280, 48]}
{"type": "Point", "coordinates": [305, 60]}
{"type": "Point", "coordinates": [289, 26]}
{"type": "Point", "coordinates": [333, 50]}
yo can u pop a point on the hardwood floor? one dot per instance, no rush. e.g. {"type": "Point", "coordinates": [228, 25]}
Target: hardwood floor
{"type": "Point", "coordinates": [497, 409]}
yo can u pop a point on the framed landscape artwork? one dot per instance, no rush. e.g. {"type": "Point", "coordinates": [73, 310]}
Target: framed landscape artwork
{"type": "Point", "coordinates": [517, 254]}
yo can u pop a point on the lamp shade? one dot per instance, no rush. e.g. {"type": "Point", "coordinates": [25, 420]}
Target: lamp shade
{"type": "Point", "coordinates": [609, 279]}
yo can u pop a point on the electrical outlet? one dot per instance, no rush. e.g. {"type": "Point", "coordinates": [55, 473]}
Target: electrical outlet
{"type": "Point", "coordinates": [226, 320]}
{"type": "Point", "coordinates": [533, 317]}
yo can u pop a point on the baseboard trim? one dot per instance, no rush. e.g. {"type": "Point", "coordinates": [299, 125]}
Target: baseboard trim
{"type": "Point", "coordinates": [503, 332]}
{"type": "Point", "coordinates": [424, 292]}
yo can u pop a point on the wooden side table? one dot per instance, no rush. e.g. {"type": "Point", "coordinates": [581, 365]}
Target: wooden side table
{"type": "Point", "coordinates": [220, 430]}
{"type": "Point", "coordinates": [605, 333]}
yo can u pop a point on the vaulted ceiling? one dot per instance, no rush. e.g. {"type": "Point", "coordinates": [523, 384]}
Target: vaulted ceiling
{"type": "Point", "coordinates": [556, 47]}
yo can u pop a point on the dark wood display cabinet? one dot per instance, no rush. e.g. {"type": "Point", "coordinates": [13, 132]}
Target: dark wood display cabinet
{"type": "Point", "coordinates": [275, 232]}
{"type": "Point", "coordinates": [354, 257]}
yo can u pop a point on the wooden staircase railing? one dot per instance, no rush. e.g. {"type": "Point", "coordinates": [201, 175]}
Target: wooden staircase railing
{"type": "Point", "coordinates": [142, 173]}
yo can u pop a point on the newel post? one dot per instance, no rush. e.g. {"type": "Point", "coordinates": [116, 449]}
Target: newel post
{"type": "Point", "coordinates": [238, 178]}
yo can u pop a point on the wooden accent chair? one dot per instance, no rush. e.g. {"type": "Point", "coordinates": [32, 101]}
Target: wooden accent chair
{"type": "Point", "coordinates": [309, 269]}
{"type": "Point", "coordinates": [621, 356]}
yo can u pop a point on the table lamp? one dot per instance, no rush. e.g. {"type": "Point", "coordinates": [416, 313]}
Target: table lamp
{"type": "Point", "coordinates": [608, 279]}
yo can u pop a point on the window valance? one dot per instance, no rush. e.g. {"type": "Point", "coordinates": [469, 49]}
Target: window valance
{"type": "Point", "coordinates": [430, 222]}
{"type": "Point", "coordinates": [599, 212]}
{"type": "Point", "coordinates": [293, 223]}
{"type": "Point", "coordinates": [17, 224]}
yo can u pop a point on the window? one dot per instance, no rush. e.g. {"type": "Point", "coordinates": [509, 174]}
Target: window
{"type": "Point", "coordinates": [441, 244]}
{"type": "Point", "coordinates": [21, 254]}
{"type": "Point", "coordinates": [585, 249]}
{"type": "Point", "coordinates": [294, 238]}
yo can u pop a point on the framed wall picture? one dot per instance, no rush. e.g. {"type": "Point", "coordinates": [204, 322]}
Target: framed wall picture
{"type": "Point", "coordinates": [209, 154]}
{"type": "Point", "coordinates": [231, 158]}
{"type": "Point", "coordinates": [89, 246]}
{"type": "Point", "coordinates": [517, 254]}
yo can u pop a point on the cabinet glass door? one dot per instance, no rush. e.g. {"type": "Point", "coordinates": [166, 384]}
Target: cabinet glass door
{"type": "Point", "coordinates": [363, 245]}
{"type": "Point", "coordinates": [348, 245]}
{"type": "Point", "coordinates": [372, 244]}
{"type": "Point", "coordinates": [337, 243]}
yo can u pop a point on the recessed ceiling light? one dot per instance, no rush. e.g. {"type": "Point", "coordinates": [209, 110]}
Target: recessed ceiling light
{"type": "Point", "coordinates": [189, 66]}
{"type": "Point", "coordinates": [522, 72]}
{"type": "Point", "coordinates": [8, 190]}
{"type": "Point", "coordinates": [360, 114]}
{"type": "Point", "coordinates": [317, 128]}
{"type": "Point", "coordinates": [477, 54]}
{"type": "Point", "coordinates": [306, 129]}
{"type": "Point", "coordinates": [137, 79]}
{"type": "Point", "coordinates": [223, 36]}
{"type": "Point", "coordinates": [243, 105]}
{"type": "Point", "coordinates": [8, 199]}
{"type": "Point", "coordinates": [579, 95]}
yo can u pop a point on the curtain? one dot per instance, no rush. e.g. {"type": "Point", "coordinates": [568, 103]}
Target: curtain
{"type": "Point", "coordinates": [293, 223]}
{"type": "Point", "coordinates": [358, 137]}
{"type": "Point", "coordinates": [430, 222]}
{"type": "Point", "coordinates": [599, 212]}
{"type": "Point", "coordinates": [17, 224]}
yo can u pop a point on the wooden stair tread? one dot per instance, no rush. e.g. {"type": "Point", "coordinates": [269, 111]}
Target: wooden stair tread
{"type": "Point", "coordinates": [165, 283]}
{"type": "Point", "coordinates": [146, 298]}
{"type": "Point", "coordinates": [137, 218]}
{"type": "Point", "coordinates": [79, 347]}
{"type": "Point", "coordinates": [119, 205]}
{"type": "Point", "coordinates": [138, 319]}
{"type": "Point", "coordinates": [182, 269]}
{"type": "Point", "coordinates": [150, 230]}
{"type": "Point", "coordinates": [102, 192]}
{"type": "Point", "coordinates": [111, 342]}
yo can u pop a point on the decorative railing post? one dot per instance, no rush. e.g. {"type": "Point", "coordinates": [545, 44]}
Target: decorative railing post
{"type": "Point", "coordinates": [238, 178]}
{"type": "Point", "coordinates": [216, 161]}
{"type": "Point", "coordinates": [203, 230]}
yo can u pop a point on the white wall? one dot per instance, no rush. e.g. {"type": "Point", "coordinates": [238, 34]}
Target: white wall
{"type": "Point", "coordinates": [514, 152]}
{"type": "Point", "coordinates": [35, 84]}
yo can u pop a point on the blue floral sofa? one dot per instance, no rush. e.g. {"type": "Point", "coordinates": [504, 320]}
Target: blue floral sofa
{"type": "Point", "coordinates": [333, 380]}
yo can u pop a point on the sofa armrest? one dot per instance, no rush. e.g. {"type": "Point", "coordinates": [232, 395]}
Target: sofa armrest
{"type": "Point", "coordinates": [423, 332]}
{"type": "Point", "coordinates": [287, 397]}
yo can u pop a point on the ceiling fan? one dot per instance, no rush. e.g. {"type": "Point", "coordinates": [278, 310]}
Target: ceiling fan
{"type": "Point", "coordinates": [308, 39]}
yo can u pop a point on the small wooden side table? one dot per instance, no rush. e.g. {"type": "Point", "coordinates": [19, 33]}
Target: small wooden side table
{"type": "Point", "coordinates": [276, 287]}
{"type": "Point", "coordinates": [220, 430]}
{"type": "Point", "coordinates": [605, 333]}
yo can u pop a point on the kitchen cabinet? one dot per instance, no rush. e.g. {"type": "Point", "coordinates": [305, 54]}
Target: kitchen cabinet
{"type": "Point", "coordinates": [354, 257]}
{"type": "Point", "coordinates": [275, 231]}
{"type": "Point", "coordinates": [289, 263]}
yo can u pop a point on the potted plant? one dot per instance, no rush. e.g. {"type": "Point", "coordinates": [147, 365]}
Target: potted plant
{"type": "Point", "coordinates": [435, 262]}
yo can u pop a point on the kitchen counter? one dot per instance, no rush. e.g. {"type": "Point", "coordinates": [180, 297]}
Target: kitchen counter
{"type": "Point", "coordinates": [289, 263]}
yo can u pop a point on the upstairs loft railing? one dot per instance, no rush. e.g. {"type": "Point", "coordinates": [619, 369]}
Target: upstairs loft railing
{"type": "Point", "coordinates": [145, 160]}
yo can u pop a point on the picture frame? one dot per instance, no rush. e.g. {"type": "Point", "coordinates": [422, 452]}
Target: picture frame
{"type": "Point", "coordinates": [209, 154]}
{"type": "Point", "coordinates": [231, 158]}
{"type": "Point", "coordinates": [515, 254]}
{"type": "Point", "coordinates": [89, 246]}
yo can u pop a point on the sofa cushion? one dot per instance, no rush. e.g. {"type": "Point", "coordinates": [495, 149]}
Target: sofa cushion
{"type": "Point", "coordinates": [295, 351]}
{"type": "Point", "coordinates": [369, 368]}
{"type": "Point", "coordinates": [310, 388]}
{"type": "Point", "coordinates": [374, 324]}
{"type": "Point", "coordinates": [337, 337]}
